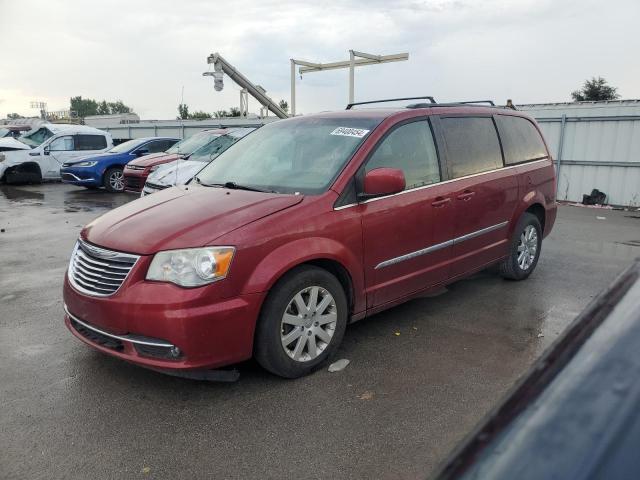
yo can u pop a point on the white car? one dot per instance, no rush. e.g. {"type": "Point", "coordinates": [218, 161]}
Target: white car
{"type": "Point", "coordinates": [44, 151]}
{"type": "Point", "coordinates": [182, 170]}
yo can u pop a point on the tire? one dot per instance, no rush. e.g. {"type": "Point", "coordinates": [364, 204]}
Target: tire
{"type": "Point", "coordinates": [526, 240]}
{"type": "Point", "coordinates": [281, 320]}
{"type": "Point", "coordinates": [113, 180]}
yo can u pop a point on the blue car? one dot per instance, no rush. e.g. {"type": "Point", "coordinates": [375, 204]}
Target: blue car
{"type": "Point", "coordinates": [105, 170]}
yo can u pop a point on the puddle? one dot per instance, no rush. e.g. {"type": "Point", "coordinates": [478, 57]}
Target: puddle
{"type": "Point", "coordinates": [22, 195]}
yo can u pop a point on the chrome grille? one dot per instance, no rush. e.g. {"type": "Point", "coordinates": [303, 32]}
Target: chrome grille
{"type": "Point", "coordinates": [97, 271]}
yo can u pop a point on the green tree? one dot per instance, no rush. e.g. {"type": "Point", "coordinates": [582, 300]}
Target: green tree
{"type": "Point", "coordinates": [199, 115]}
{"type": "Point", "coordinates": [118, 107]}
{"type": "Point", "coordinates": [83, 106]}
{"type": "Point", "coordinates": [220, 114]}
{"type": "Point", "coordinates": [14, 116]}
{"type": "Point", "coordinates": [594, 90]}
{"type": "Point", "coordinates": [183, 111]}
{"type": "Point", "coordinates": [234, 112]}
{"type": "Point", "coordinates": [284, 105]}
{"type": "Point", "coordinates": [103, 108]}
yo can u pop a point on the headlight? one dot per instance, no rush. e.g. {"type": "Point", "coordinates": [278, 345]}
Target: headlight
{"type": "Point", "coordinates": [1, 157]}
{"type": "Point", "coordinates": [84, 164]}
{"type": "Point", "coordinates": [191, 267]}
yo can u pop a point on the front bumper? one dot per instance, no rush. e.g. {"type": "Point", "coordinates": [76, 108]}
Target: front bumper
{"type": "Point", "coordinates": [134, 180]}
{"type": "Point", "coordinates": [79, 176]}
{"type": "Point", "coordinates": [165, 327]}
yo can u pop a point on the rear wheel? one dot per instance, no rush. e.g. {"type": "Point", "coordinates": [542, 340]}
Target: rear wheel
{"type": "Point", "coordinates": [525, 249]}
{"type": "Point", "coordinates": [114, 180]}
{"type": "Point", "coordinates": [302, 322]}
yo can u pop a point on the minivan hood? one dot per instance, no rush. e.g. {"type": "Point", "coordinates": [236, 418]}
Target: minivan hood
{"type": "Point", "coordinates": [181, 217]}
{"type": "Point", "coordinates": [153, 159]}
{"type": "Point", "coordinates": [176, 172]}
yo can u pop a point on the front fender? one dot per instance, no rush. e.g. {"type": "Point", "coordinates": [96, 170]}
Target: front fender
{"type": "Point", "coordinates": [272, 267]}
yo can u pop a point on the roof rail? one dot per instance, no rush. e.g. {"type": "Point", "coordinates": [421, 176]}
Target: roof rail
{"type": "Point", "coordinates": [490, 102]}
{"type": "Point", "coordinates": [431, 100]}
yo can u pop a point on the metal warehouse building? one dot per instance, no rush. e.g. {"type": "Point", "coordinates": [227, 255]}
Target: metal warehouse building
{"type": "Point", "coordinates": [596, 145]}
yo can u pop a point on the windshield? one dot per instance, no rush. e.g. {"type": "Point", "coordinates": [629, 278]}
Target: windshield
{"type": "Point", "coordinates": [36, 138]}
{"type": "Point", "coordinates": [3, 132]}
{"type": "Point", "coordinates": [297, 155]}
{"type": "Point", "coordinates": [191, 144]}
{"type": "Point", "coordinates": [126, 146]}
{"type": "Point", "coordinates": [212, 149]}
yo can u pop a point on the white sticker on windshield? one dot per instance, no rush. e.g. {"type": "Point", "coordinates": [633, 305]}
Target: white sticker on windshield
{"type": "Point", "coordinates": [350, 132]}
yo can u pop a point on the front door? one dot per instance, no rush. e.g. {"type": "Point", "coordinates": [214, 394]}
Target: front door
{"type": "Point", "coordinates": [60, 150]}
{"type": "Point", "coordinates": [484, 195]}
{"type": "Point", "coordinates": [406, 236]}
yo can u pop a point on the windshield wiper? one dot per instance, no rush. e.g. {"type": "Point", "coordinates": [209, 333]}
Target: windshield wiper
{"type": "Point", "coordinates": [234, 186]}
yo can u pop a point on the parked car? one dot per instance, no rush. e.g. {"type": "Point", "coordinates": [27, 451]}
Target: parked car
{"type": "Point", "coordinates": [307, 224]}
{"type": "Point", "coordinates": [47, 148]}
{"type": "Point", "coordinates": [137, 171]}
{"type": "Point", "coordinates": [105, 170]}
{"type": "Point", "coordinates": [180, 171]}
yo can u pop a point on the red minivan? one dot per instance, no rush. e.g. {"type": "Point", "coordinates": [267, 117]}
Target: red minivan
{"type": "Point", "coordinates": [306, 225]}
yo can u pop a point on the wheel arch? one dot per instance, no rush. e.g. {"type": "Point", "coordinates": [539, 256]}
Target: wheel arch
{"type": "Point", "coordinates": [538, 210]}
{"type": "Point", "coordinates": [328, 255]}
{"type": "Point", "coordinates": [27, 169]}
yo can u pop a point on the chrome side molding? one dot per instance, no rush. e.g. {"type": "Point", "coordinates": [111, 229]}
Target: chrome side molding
{"type": "Point", "coordinates": [439, 246]}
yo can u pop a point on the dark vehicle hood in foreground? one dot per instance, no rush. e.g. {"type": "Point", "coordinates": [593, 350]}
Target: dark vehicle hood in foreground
{"type": "Point", "coordinates": [575, 414]}
{"type": "Point", "coordinates": [181, 217]}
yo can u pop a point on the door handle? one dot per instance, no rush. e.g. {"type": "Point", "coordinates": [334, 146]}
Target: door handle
{"type": "Point", "coordinates": [466, 195]}
{"type": "Point", "coordinates": [440, 202]}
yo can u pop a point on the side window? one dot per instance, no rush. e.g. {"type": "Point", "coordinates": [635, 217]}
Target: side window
{"type": "Point", "coordinates": [411, 149]}
{"type": "Point", "coordinates": [472, 145]}
{"type": "Point", "coordinates": [521, 140]}
{"type": "Point", "coordinates": [62, 144]}
{"type": "Point", "coordinates": [156, 146]}
{"type": "Point", "coordinates": [90, 142]}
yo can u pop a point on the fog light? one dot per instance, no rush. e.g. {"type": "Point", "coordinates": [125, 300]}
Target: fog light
{"type": "Point", "coordinates": [175, 352]}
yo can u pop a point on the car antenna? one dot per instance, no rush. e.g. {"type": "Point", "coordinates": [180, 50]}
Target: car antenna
{"type": "Point", "coordinates": [175, 182]}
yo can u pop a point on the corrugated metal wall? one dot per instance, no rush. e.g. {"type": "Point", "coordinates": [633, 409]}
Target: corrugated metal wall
{"type": "Point", "coordinates": [598, 146]}
{"type": "Point", "coordinates": [177, 128]}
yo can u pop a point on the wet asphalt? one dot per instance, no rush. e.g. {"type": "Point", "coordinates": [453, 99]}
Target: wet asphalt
{"type": "Point", "coordinates": [421, 375]}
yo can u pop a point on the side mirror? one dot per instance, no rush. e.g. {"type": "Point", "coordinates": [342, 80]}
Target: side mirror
{"type": "Point", "coordinates": [142, 151]}
{"type": "Point", "coordinates": [46, 150]}
{"type": "Point", "coordinates": [383, 181]}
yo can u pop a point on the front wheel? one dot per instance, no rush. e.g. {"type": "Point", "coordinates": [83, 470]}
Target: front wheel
{"type": "Point", "coordinates": [302, 322]}
{"type": "Point", "coordinates": [114, 180]}
{"type": "Point", "coordinates": [525, 249]}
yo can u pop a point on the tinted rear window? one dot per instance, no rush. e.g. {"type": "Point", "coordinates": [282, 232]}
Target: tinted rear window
{"type": "Point", "coordinates": [472, 145]}
{"type": "Point", "coordinates": [90, 142]}
{"type": "Point", "coordinates": [521, 140]}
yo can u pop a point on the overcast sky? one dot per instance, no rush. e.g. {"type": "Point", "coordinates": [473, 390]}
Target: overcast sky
{"type": "Point", "coordinates": [145, 52]}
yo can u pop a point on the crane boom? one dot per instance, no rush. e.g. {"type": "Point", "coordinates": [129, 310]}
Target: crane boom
{"type": "Point", "coordinates": [258, 93]}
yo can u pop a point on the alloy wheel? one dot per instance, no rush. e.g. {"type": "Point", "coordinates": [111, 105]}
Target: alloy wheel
{"type": "Point", "coordinates": [527, 248]}
{"type": "Point", "coordinates": [308, 323]}
{"type": "Point", "coordinates": [116, 180]}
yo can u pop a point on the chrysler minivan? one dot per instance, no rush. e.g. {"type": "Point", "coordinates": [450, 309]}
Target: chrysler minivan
{"type": "Point", "coordinates": [306, 225]}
